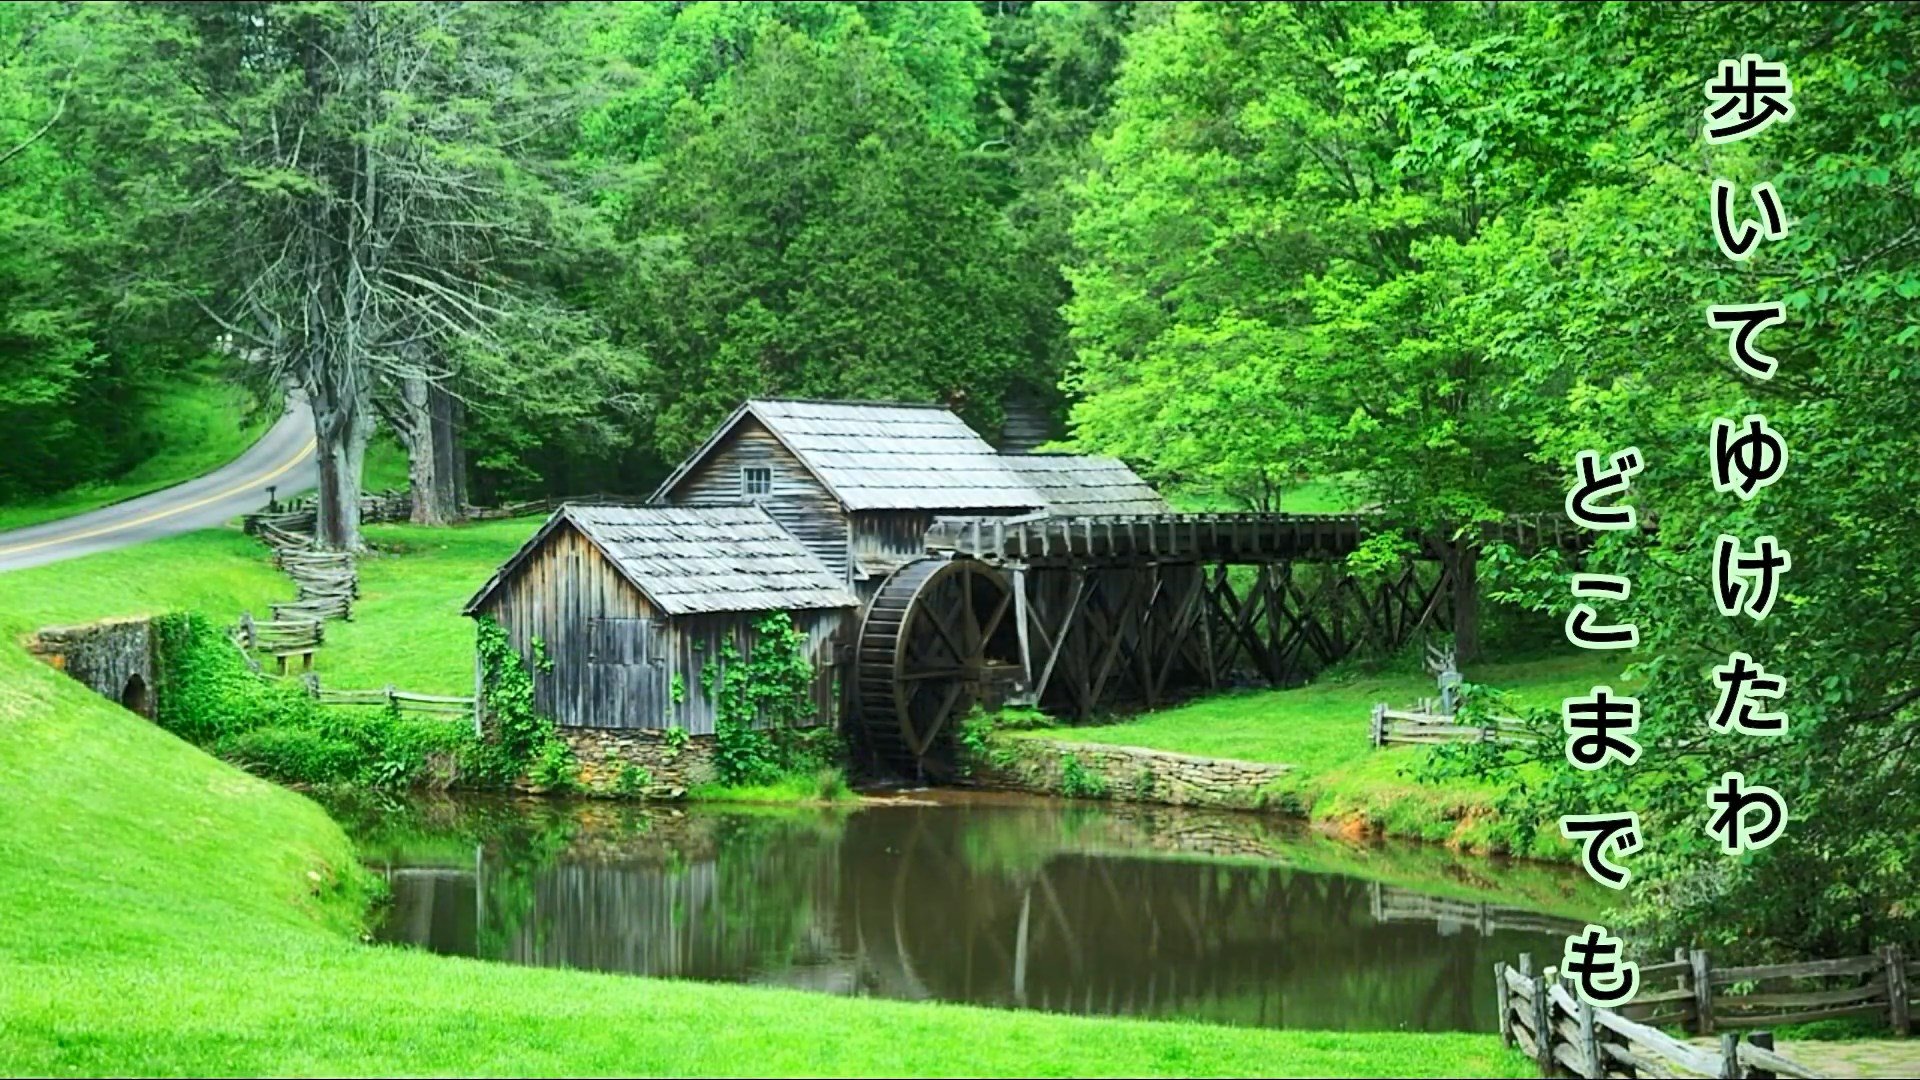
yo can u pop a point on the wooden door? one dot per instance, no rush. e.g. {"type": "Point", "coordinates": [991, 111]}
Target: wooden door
{"type": "Point", "coordinates": [625, 672]}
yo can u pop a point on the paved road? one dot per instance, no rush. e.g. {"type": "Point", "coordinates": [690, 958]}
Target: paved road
{"type": "Point", "coordinates": [282, 457]}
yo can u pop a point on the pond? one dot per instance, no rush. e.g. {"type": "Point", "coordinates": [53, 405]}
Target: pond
{"type": "Point", "coordinates": [991, 900]}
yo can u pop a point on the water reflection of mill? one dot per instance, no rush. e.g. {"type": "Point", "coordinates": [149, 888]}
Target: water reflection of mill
{"type": "Point", "coordinates": [946, 904]}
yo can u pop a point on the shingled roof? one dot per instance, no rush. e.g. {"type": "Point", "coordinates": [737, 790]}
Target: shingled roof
{"type": "Point", "coordinates": [694, 560]}
{"type": "Point", "coordinates": [1075, 484]}
{"type": "Point", "coordinates": [884, 456]}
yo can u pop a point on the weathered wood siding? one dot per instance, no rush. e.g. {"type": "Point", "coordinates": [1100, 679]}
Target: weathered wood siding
{"type": "Point", "coordinates": [698, 642]}
{"type": "Point", "coordinates": [884, 541]}
{"type": "Point", "coordinates": [1026, 423]}
{"type": "Point", "coordinates": [616, 659]}
{"type": "Point", "coordinates": [798, 501]}
{"type": "Point", "coordinates": [601, 634]}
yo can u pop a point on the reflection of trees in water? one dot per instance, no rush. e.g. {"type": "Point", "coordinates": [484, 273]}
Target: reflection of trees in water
{"type": "Point", "coordinates": [989, 906]}
{"type": "Point", "coordinates": [1089, 933]}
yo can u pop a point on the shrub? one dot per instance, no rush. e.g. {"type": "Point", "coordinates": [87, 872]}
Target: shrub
{"type": "Point", "coordinates": [291, 755]}
{"type": "Point", "coordinates": [1143, 784]}
{"type": "Point", "coordinates": [676, 739]}
{"type": "Point", "coordinates": [830, 782]}
{"type": "Point", "coordinates": [553, 766]}
{"type": "Point", "coordinates": [210, 697]}
{"type": "Point", "coordinates": [975, 735]}
{"type": "Point", "coordinates": [205, 691]}
{"type": "Point", "coordinates": [632, 780]}
{"type": "Point", "coordinates": [761, 700]}
{"type": "Point", "coordinates": [1021, 718]}
{"type": "Point", "coordinates": [1079, 782]}
{"type": "Point", "coordinates": [519, 737]}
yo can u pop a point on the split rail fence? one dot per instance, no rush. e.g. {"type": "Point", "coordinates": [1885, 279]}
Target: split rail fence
{"type": "Point", "coordinates": [389, 697]}
{"type": "Point", "coordinates": [281, 639]}
{"type": "Point", "coordinates": [1568, 1037]}
{"type": "Point", "coordinates": [530, 507]}
{"type": "Point", "coordinates": [328, 583]}
{"type": "Point", "coordinates": [1691, 993]}
{"type": "Point", "coordinates": [1425, 727]}
{"type": "Point", "coordinates": [296, 516]}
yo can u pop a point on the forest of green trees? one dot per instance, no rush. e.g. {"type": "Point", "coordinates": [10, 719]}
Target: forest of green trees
{"type": "Point", "coordinates": [1435, 250]}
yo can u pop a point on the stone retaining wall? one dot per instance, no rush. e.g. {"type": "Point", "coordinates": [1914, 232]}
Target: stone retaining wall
{"type": "Point", "coordinates": [1124, 773]}
{"type": "Point", "coordinates": [113, 658]}
{"type": "Point", "coordinates": [603, 753]}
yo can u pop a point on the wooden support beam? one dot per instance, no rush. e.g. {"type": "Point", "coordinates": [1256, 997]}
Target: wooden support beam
{"type": "Point", "coordinates": [1238, 613]}
{"type": "Point", "coordinates": [1145, 641]}
{"type": "Point", "coordinates": [1179, 632]}
{"type": "Point", "coordinates": [1114, 620]}
{"type": "Point", "coordinates": [1208, 659]}
{"type": "Point", "coordinates": [1069, 620]}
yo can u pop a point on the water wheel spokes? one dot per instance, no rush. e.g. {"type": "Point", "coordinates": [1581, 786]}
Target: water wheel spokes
{"type": "Point", "coordinates": [935, 639]}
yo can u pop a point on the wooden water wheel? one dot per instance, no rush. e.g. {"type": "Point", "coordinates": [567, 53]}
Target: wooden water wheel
{"type": "Point", "coordinates": [937, 637]}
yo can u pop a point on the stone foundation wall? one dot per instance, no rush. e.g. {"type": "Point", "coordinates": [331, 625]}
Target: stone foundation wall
{"type": "Point", "coordinates": [603, 753]}
{"type": "Point", "coordinates": [1124, 773]}
{"type": "Point", "coordinates": [113, 658]}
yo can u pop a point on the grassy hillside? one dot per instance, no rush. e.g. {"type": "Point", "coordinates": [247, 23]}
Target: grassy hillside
{"type": "Point", "coordinates": [170, 915]}
{"type": "Point", "coordinates": [1321, 729]}
{"type": "Point", "coordinates": [193, 427]}
{"type": "Point", "coordinates": [407, 628]}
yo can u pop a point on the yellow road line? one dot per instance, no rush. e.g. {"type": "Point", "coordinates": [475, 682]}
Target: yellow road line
{"type": "Point", "coordinates": [169, 512]}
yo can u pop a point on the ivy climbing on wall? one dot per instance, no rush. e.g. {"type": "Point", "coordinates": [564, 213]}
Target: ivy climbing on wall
{"type": "Point", "coordinates": [761, 698]}
{"type": "Point", "coordinates": [519, 739]}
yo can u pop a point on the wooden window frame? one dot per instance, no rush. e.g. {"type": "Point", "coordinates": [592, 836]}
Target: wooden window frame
{"type": "Point", "coordinates": [750, 473]}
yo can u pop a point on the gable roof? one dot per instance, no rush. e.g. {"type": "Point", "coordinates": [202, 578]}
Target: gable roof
{"type": "Point", "coordinates": [1076, 484]}
{"type": "Point", "coordinates": [883, 456]}
{"type": "Point", "coordinates": [694, 560]}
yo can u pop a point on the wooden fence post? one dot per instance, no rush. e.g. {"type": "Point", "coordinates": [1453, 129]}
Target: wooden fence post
{"type": "Point", "coordinates": [1542, 1024]}
{"type": "Point", "coordinates": [1503, 1002]}
{"type": "Point", "coordinates": [1590, 1042]}
{"type": "Point", "coordinates": [1763, 1040]}
{"type": "Point", "coordinates": [1898, 1009]}
{"type": "Point", "coordinates": [1729, 1056]}
{"type": "Point", "coordinates": [1380, 730]}
{"type": "Point", "coordinates": [1702, 992]}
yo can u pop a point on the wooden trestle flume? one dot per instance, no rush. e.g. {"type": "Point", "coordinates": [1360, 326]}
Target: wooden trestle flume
{"type": "Point", "coordinates": [1082, 615]}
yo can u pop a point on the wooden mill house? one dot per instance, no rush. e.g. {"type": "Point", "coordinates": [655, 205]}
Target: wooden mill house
{"type": "Point", "coordinates": [796, 506]}
{"type": "Point", "coordinates": [629, 605]}
{"type": "Point", "coordinates": [860, 484]}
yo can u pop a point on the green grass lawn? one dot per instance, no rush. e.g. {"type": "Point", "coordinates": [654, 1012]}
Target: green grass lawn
{"type": "Point", "coordinates": [407, 628]}
{"type": "Point", "coordinates": [199, 424]}
{"type": "Point", "coordinates": [1321, 730]}
{"type": "Point", "coordinates": [167, 914]}
{"type": "Point", "coordinates": [217, 571]}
